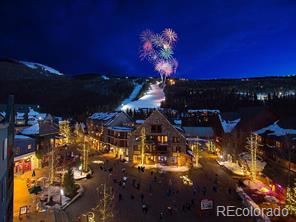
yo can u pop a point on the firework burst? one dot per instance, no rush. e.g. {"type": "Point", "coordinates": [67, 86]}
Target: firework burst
{"type": "Point", "coordinates": [158, 50]}
{"type": "Point", "coordinates": [170, 35]}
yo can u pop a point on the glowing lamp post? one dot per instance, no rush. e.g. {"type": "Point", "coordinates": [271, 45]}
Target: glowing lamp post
{"type": "Point", "coordinates": [61, 195]}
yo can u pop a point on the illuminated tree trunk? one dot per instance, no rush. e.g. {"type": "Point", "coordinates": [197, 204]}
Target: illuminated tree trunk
{"type": "Point", "coordinates": [143, 137]}
{"type": "Point", "coordinates": [100, 137]}
{"type": "Point", "coordinates": [252, 145]}
{"type": "Point", "coordinates": [52, 167]}
{"type": "Point", "coordinates": [104, 209]}
{"type": "Point", "coordinates": [84, 156]}
{"type": "Point", "coordinates": [196, 153]}
{"type": "Point", "coordinates": [254, 156]}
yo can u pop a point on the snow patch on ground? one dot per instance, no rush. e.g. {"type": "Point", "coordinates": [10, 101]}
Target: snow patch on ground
{"type": "Point", "coordinates": [233, 167]}
{"type": "Point", "coordinates": [260, 164]}
{"type": "Point", "coordinates": [34, 65]}
{"type": "Point", "coordinates": [131, 97]}
{"type": "Point", "coordinates": [152, 99]}
{"type": "Point", "coordinates": [78, 174]}
{"type": "Point", "coordinates": [105, 77]}
{"type": "Point", "coordinates": [98, 162]}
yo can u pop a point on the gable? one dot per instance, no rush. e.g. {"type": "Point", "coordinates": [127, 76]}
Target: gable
{"type": "Point", "coordinates": [120, 119]}
{"type": "Point", "coordinates": [157, 118]}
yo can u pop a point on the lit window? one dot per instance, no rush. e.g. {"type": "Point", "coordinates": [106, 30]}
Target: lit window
{"type": "Point", "coordinates": [176, 140]}
{"type": "Point", "coordinates": [278, 144]}
{"type": "Point", "coordinates": [29, 146]}
{"type": "Point", "coordinates": [162, 139]}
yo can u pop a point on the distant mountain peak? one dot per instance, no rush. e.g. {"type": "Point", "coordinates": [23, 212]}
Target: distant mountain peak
{"type": "Point", "coordinates": [34, 65]}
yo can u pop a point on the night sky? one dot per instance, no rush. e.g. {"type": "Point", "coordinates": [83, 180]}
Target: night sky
{"type": "Point", "coordinates": [216, 38]}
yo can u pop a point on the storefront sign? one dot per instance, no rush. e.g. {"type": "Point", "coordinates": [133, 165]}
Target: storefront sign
{"type": "Point", "coordinates": [23, 210]}
{"type": "Point", "coordinates": [206, 204]}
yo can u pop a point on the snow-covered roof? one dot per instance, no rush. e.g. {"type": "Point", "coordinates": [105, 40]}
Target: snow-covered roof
{"type": "Point", "coordinates": [228, 126]}
{"type": "Point", "coordinates": [21, 137]}
{"type": "Point", "coordinates": [121, 128]}
{"type": "Point", "coordinates": [32, 130]}
{"type": "Point", "coordinates": [204, 110]}
{"type": "Point", "coordinates": [32, 112]}
{"type": "Point", "coordinates": [177, 121]}
{"type": "Point", "coordinates": [20, 115]}
{"type": "Point", "coordinates": [34, 65]}
{"type": "Point", "coordinates": [140, 121]}
{"type": "Point", "coordinates": [275, 130]}
{"type": "Point", "coordinates": [103, 116]}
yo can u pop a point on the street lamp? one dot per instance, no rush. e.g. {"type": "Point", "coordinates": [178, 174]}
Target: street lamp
{"type": "Point", "coordinates": [61, 195]}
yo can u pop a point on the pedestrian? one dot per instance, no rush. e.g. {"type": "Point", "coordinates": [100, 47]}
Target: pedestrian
{"type": "Point", "coordinates": [170, 211]}
{"type": "Point", "coordinates": [229, 190]}
{"type": "Point", "coordinates": [161, 215]}
{"type": "Point", "coordinates": [144, 207]}
{"type": "Point", "coordinates": [142, 197]}
{"type": "Point", "coordinates": [133, 182]}
{"type": "Point", "coordinates": [192, 202]}
{"type": "Point", "coordinates": [139, 169]}
{"type": "Point", "coordinates": [194, 191]}
{"type": "Point", "coordinates": [119, 197]}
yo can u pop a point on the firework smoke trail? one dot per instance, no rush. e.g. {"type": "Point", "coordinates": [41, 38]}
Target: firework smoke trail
{"type": "Point", "coordinates": [158, 50]}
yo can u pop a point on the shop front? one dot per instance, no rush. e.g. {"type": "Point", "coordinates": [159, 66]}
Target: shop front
{"type": "Point", "coordinates": [25, 163]}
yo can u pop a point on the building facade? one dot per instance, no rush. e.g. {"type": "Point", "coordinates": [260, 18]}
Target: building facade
{"type": "Point", "coordinates": [163, 143]}
{"type": "Point", "coordinates": [3, 171]}
{"type": "Point", "coordinates": [25, 154]}
{"type": "Point", "coordinates": [6, 164]}
{"type": "Point", "coordinates": [110, 131]}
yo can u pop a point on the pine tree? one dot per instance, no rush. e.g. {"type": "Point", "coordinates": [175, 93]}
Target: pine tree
{"type": "Point", "coordinates": [69, 183]}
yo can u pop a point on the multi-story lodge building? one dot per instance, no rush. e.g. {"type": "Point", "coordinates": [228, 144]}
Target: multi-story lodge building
{"type": "Point", "coordinates": [44, 133]}
{"type": "Point", "coordinates": [110, 131]}
{"type": "Point", "coordinates": [163, 143]}
{"type": "Point", "coordinates": [278, 143]}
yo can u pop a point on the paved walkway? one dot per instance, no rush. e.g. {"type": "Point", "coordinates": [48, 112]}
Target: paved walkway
{"type": "Point", "coordinates": [21, 195]}
{"type": "Point", "coordinates": [129, 209]}
{"type": "Point", "coordinates": [23, 198]}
